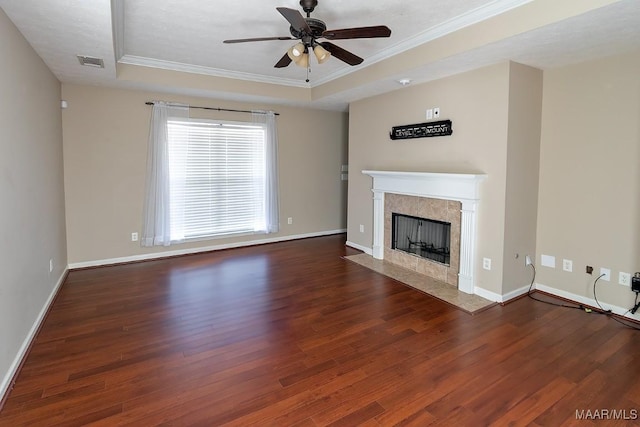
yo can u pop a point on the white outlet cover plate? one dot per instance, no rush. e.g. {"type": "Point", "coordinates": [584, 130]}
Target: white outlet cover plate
{"type": "Point", "coordinates": [624, 279]}
{"type": "Point", "coordinates": [567, 265]}
{"type": "Point", "coordinates": [607, 274]}
{"type": "Point", "coordinates": [548, 261]}
{"type": "Point", "coordinates": [486, 263]}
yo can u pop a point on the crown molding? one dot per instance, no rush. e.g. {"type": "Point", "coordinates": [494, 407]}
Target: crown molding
{"type": "Point", "coordinates": [117, 26]}
{"type": "Point", "coordinates": [208, 71]}
{"type": "Point", "coordinates": [467, 19]}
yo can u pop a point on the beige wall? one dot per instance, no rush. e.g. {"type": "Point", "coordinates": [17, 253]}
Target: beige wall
{"type": "Point", "coordinates": [523, 161]}
{"type": "Point", "coordinates": [105, 146]}
{"type": "Point", "coordinates": [32, 230]}
{"type": "Point", "coordinates": [589, 181]}
{"type": "Point", "coordinates": [477, 104]}
{"type": "Point", "coordinates": [496, 113]}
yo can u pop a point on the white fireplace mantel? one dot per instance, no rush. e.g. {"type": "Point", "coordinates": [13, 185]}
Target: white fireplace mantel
{"type": "Point", "coordinates": [448, 186]}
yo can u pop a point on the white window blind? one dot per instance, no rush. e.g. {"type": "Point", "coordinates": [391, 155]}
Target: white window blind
{"type": "Point", "coordinates": [217, 178]}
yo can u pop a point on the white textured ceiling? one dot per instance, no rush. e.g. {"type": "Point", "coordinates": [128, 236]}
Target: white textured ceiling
{"type": "Point", "coordinates": [191, 32]}
{"type": "Point", "coordinates": [187, 35]}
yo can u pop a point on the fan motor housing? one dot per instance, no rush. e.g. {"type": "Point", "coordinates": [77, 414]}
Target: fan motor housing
{"type": "Point", "coordinates": [308, 5]}
{"type": "Point", "coordinates": [317, 28]}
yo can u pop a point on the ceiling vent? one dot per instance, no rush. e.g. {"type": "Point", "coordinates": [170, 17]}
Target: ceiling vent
{"type": "Point", "coordinates": [90, 61]}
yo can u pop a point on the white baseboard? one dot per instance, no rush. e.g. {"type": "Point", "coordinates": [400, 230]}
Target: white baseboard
{"type": "Point", "coordinates": [166, 254]}
{"type": "Point", "coordinates": [491, 296]}
{"type": "Point", "coordinates": [364, 249]}
{"type": "Point", "coordinates": [587, 301]}
{"type": "Point", "coordinates": [515, 294]}
{"type": "Point", "coordinates": [5, 385]}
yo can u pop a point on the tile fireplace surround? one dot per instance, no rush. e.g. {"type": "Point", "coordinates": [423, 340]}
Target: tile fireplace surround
{"type": "Point", "coordinates": [423, 207]}
{"type": "Point", "coordinates": [463, 188]}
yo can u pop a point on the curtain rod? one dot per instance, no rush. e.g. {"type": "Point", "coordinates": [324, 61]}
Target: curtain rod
{"type": "Point", "coordinates": [220, 109]}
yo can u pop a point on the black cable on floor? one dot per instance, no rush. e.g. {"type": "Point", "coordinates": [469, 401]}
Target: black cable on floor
{"type": "Point", "coordinates": [530, 294]}
{"type": "Point", "coordinates": [609, 312]}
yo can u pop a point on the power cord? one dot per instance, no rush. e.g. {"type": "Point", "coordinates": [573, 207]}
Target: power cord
{"type": "Point", "coordinates": [595, 297]}
{"type": "Point", "coordinates": [608, 313]}
{"type": "Point", "coordinates": [636, 305]}
{"type": "Point", "coordinates": [530, 294]}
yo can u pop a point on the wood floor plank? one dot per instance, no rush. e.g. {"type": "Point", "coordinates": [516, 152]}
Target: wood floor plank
{"type": "Point", "coordinates": [292, 334]}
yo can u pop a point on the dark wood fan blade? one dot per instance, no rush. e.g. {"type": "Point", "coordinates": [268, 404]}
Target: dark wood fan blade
{"type": "Point", "coordinates": [284, 61]}
{"type": "Point", "coordinates": [341, 54]}
{"type": "Point", "coordinates": [257, 39]}
{"type": "Point", "coordinates": [295, 18]}
{"type": "Point", "coordinates": [358, 33]}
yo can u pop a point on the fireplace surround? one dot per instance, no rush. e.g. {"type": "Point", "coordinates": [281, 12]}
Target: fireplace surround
{"type": "Point", "coordinates": [462, 188]}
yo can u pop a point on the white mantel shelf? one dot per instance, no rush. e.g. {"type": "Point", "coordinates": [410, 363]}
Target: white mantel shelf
{"type": "Point", "coordinates": [448, 186]}
{"type": "Point", "coordinates": [462, 187]}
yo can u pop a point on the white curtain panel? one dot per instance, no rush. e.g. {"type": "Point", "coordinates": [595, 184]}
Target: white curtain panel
{"type": "Point", "coordinates": [157, 206]}
{"type": "Point", "coordinates": [271, 191]}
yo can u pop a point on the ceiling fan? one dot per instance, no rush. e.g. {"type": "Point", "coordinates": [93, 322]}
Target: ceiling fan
{"type": "Point", "coordinates": [308, 30]}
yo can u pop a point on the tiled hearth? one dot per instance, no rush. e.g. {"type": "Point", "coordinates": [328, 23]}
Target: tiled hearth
{"type": "Point", "coordinates": [436, 288]}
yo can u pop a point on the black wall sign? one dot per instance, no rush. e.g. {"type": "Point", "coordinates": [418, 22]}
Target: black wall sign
{"type": "Point", "coordinates": [422, 130]}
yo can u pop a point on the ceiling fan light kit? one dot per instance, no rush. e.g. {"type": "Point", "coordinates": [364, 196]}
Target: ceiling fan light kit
{"type": "Point", "coordinates": [303, 61]}
{"type": "Point", "coordinates": [308, 30]}
{"type": "Point", "coordinates": [297, 51]}
{"type": "Point", "coordinates": [322, 54]}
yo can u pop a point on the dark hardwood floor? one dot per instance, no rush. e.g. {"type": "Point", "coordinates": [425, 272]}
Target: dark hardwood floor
{"type": "Point", "coordinates": [292, 334]}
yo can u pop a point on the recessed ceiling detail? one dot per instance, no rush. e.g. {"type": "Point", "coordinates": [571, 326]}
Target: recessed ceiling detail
{"type": "Point", "coordinates": [176, 47]}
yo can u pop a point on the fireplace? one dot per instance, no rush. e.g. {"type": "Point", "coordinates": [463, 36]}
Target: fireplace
{"type": "Point", "coordinates": [422, 237]}
{"type": "Point", "coordinates": [428, 210]}
{"type": "Point", "coordinates": [447, 197]}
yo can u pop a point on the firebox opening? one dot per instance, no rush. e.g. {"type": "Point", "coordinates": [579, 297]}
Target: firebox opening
{"type": "Point", "coordinates": [426, 238]}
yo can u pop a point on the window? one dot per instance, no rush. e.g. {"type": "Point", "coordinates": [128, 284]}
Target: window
{"type": "Point", "coordinates": [207, 178]}
{"type": "Point", "coordinates": [217, 178]}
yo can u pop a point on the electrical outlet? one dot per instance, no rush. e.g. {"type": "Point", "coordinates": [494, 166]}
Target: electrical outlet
{"type": "Point", "coordinates": [290, 220]}
{"type": "Point", "coordinates": [361, 228]}
{"type": "Point", "coordinates": [527, 260]}
{"type": "Point", "coordinates": [486, 263]}
{"type": "Point", "coordinates": [606, 274]}
{"type": "Point", "coordinates": [134, 237]}
{"type": "Point", "coordinates": [429, 114]}
{"type": "Point", "coordinates": [567, 265]}
{"type": "Point", "coordinates": [624, 279]}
